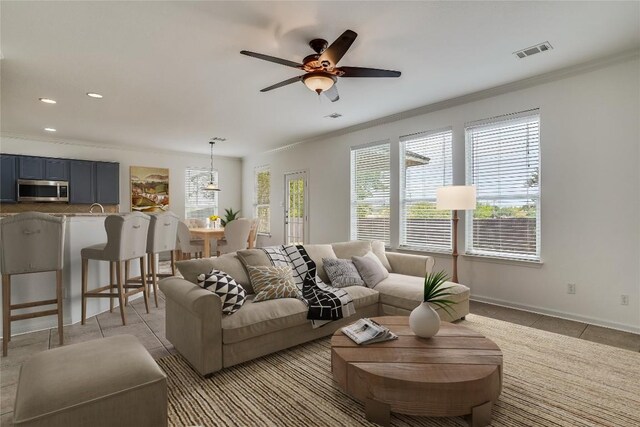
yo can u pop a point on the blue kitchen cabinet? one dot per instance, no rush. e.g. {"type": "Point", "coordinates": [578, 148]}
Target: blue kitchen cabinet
{"type": "Point", "coordinates": [31, 167]}
{"type": "Point", "coordinates": [8, 178]}
{"type": "Point", "coordinates": [56, 169]}
{"type": "Point", "coordinates": [82, 182]}
{"type": "Point", "coordinates": [108, 183]}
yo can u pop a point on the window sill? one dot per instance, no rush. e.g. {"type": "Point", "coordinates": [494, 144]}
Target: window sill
{"type": "Point", "coordinates": [499, 260]}
{"type": "Point", "coordinates": [264, 234]}
{"type": "Point", "coordinates": [419, 251]}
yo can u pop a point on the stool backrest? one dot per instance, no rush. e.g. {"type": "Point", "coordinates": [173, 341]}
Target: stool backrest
{"type": "Point", "coordinates": [163, 232]}
{"type": "Point", "coordinates": [126, 236]}
{"type": "Point", "coordinates": [32, 242]}
{"type": "Point", "coordinates": [183, 240]}
{"type": "Point", "coordinates": [236, 233]}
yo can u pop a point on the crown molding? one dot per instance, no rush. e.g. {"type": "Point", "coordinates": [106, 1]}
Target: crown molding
{"type": "Point", "coordinates": [134, 148]}
{"type": "Point", "coordinates": [562, 73]}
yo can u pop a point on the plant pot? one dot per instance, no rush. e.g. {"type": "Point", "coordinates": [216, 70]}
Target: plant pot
{"type": "Point", "coordinates": [424, 321]}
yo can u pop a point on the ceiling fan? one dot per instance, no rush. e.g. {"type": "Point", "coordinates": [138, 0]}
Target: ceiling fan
{"type": "Point", "coordinates": [321, 70]}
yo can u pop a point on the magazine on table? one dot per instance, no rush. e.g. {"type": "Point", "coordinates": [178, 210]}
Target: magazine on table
{"type": "Point", "coordinates": [366, 331]}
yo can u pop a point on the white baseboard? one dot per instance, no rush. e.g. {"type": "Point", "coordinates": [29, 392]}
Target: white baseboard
{"type": "Point", "coordinates": [559, 314]}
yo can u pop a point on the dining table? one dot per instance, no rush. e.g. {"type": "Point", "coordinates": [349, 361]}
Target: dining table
{"type": "Point", "coordinates": [207, 234]}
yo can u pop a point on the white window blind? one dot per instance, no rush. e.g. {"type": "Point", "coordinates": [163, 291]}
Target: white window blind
{"type": "Point", "coordinates": [503, 162]}
{"type": "Point", "coordinates": [262, 199]}
{"type": "Point", "coordinates": [199, 203]}
{"type": "Point", "coordinates": [425, 165]}
{"type": "Point", "coordinates": [370, 190]}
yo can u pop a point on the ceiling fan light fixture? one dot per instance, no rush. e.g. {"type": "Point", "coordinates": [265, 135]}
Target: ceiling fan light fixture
{"type": "Point", "coordinates": [319, 81]}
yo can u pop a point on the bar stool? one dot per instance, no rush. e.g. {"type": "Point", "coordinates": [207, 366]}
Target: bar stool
{"type": "Point", "coordinates": [31, 242]}
{"type": "Point", "coordinates": [126, 240]}
{"type": "Point", "coordinates": [162, 237]}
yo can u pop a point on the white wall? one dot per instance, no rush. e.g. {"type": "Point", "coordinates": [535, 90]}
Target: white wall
{"type": "Point", "coordinates": [229, 168]}
{"type": "Point", "coordinates": [590, 183]}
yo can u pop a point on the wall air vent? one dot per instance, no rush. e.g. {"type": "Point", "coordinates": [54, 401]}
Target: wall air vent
{"type": "Point", "coordinates": [333, 116]}
{"type": "Point", "coordinates": [542, 47]}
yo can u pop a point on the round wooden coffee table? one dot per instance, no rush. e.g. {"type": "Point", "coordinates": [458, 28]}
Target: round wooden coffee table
{"type": "Point", "coordinates": [457, 372]}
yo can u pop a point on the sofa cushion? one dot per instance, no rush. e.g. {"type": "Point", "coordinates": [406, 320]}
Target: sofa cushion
{"type": "Point", "coordinates": [346, 250]}
{"type": "Point", "coordinates": [258, 318]}
{"type": "Point", "coordinates": [255, 319]}
{"type": "Point", "coordinates": [362, 296]}
{"type": "Point", "coordinates": [316, 253]}
{"type": "Point", "coordinates": [407, 292]}
{"type": "Point", "coordinates": [370, 269]}
{"type": "Point", "coordinates": [342, 273]}
{"type": "Point", "coordinates": [377, 247]}
{"type": "Point", "coordinates": [228, 263]}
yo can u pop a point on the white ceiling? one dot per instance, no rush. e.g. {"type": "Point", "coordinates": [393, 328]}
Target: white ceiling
{"type": "Point", "coordinates": [172, 76]}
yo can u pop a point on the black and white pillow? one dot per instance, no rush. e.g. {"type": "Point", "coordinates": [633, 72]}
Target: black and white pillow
{"type": "Point", "coordinates": [220, 283]}
{"type": "Point", "coordinates": [342, 272]}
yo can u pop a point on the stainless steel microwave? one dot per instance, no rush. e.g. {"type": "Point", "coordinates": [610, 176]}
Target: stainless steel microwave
{"type": "Point", "coordinates": [42, 191]}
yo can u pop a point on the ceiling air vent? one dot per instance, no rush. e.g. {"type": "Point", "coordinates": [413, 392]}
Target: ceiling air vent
{"type": "Point", "coordinates": [333, 116]}
{"type": "Point", "coordinates": [542, 47]}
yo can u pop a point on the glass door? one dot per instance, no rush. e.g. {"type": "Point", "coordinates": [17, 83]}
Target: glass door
{"type": "Point", "coordinates": [295, 213]}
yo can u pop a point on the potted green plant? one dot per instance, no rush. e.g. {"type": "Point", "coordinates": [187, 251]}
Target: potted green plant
{"type": "Point", "coordinates": [229, 215]}
{"type": "Point", "coordinates": [424, 321]}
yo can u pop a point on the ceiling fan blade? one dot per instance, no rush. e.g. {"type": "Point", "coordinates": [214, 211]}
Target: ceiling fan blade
{"type": "Point", "coordinates": [283, 83]}
{"type": "Point", "coordinates": [332, 93]}
{"type": "Point", "coordinates": [338, 48]}
{"type": "Point", "coordinates": [368, 72]}
{"type": "Point", "coordinates": [272, 59]}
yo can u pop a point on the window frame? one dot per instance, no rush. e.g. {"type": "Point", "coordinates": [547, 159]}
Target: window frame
{"type": "Point", "coordinates": [353, 203]}
{"type": "Point", "coordinates": [470, 178]}
{"type": "Point", "coordinates": [257, 206]}
{"type": "Point", "coordinates": [188, 205]}
{"type": "Point", "coordinates": [402, 198]}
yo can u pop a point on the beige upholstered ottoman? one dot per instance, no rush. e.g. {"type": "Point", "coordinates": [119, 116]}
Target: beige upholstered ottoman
{"type": "Point", "coordinates": [107, 382]}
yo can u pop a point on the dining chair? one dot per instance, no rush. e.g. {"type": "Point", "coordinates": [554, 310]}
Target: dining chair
{"type": "Point", "coordinates": [186, 245]}
{"type": "Point", "coordinates": [236, 236]}
{"type": "Point", "coordinates": [31, 242]}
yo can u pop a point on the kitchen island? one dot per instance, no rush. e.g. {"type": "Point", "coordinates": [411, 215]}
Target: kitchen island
{"type": "Point", "coordinates": [82, 230]}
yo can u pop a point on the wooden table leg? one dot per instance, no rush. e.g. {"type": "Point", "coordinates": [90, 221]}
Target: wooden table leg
{"type": "Point", "coordinates": [154, 278]}
{"type": "Point", "coordinates": [60, 313]}
{"type": "Point", "coordinates": [480, 415]}
{"type": "Point", "coordinates": [207, 246]}
{"type": "Point", "coordinates": [377, 412]}
{"type": "Point", "coordinates": [85, 267]}
{"type": "Point", "coordinates": [145, 285]}
{"type": "Point", "coordinates": [6, 313]}
{"type": "Point", "coordinates": [173, 263]}
{"type": "Point", "coordinates": [120, 291]}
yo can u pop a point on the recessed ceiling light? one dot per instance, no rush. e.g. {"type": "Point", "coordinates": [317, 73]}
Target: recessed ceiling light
{"type": "Point", "coordinates": [50, 129]}
{"type": "Point", "coordinates": [47, 100]}
{"type": "Point", "coordinates": [94, 95]}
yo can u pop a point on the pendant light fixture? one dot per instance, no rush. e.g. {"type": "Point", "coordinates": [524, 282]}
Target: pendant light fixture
{"type": "Point", "coordinates": [211, 186]}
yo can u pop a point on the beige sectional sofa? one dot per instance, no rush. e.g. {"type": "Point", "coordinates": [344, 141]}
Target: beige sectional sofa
{"type": "Point", "coordinates": [210, 340]}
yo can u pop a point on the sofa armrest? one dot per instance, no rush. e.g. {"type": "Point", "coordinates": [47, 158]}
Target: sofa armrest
{"type": "Point", "coordinates": [409, 264]}
{"type": "Point", "coordinates": [194, 323]}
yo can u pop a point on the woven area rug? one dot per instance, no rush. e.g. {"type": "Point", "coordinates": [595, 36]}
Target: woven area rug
{"type": "Point", "coordinates": [549, 380]}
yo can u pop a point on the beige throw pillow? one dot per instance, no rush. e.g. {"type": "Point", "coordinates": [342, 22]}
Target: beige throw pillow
{"type": "Point", "coordinates": [272, 282]}
{"type": "Point", "coordinates": [370, 268]}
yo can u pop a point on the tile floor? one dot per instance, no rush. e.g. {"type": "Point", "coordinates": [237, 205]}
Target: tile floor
{"type": "Point", "coordinates": [150, 330]}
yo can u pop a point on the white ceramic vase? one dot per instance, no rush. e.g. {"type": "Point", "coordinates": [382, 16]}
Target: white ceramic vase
{"type": "Point", "coordinates": [424, 321]}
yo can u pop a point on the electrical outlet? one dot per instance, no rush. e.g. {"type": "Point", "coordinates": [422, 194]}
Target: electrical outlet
{"type": "Point", "coordinates": [571, 288]}
{"type": "Point", "coordinates": [624, 299]}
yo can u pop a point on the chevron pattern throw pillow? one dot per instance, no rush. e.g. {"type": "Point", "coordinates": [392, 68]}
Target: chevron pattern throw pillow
{"type": "Point", "coordinates": [220, 283]}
